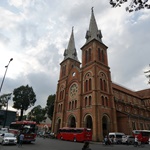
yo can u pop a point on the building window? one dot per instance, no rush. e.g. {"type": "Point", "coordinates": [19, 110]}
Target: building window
{"type": "Point", "coordinates": [90, 82]}
{"type": "Point", "coordinates": [75, 103]}
{"type": "Point", "coordinates": [106, 101]}
{"type": "Point", "coordinates": [72, 104]}
{"type": "Point", "coordinates": [64, 70]}
{"type": "Point", "coordinates": [99, 54]}
{"type": "Point", "coordinates": [101, 85]}
{"type": "Point", "coordinates": [103, 82]}
{"type": "Point", "coordinates": [88, 55]}
{"type": "Point", "coordinates": [103, 103]}
{"type": "Point", "coordinates": [86, 101]}
{"type": "Point", "coordinates": [86, 85]}
{"type": "Point", "coordinates": [69, 105]}
{"type": "Point", "coordinates": [90, 100]}
{"type": "Point", "coordinates": [133, 126]}
{"type": "Point", "coordinates": [105, 86]}
{"type": "Point", "coordinates": [103, 60]}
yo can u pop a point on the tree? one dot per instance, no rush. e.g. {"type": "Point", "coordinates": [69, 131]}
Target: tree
{"type": "Point", "coordinates": [50, 106]}
{"type": "Point", "coordinates": [134, 5]}
{"type": "Point", "coordinates": [37, 114]}
{"type": "Point", "coordinates": [148, 75]}
{"type": "Point", "coordinates": [4, 99]}
{"type": "Point", "coordinates": [24, 98]}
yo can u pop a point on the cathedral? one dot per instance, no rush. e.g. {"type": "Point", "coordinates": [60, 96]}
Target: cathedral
{"type": "Point", "coordinates": [87, 97]}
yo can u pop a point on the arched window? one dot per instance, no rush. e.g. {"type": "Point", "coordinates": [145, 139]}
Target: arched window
{"type": "Point", "coordinates": [64, 70]}
{"type": "Point", "coordinates": [75, 103]}
{"type": "Point", "coordinates": [103, 60]}
{"type": "Point", "coordinates": [61, 92]}
{"type": "Point", "coordinates": [101, 84]}
{"type": "Point", "coordinates": [69, 105]}
{"type": "Point", "coordinates": [106, 101]}
{"type": "Point", "coordinates": [90, 84]}
{"type": "Point", "coordinates": [90, 100]}
{"type": "Point", "coordinates": [86, 56]}
{"type": "Point", "coordinates": [61, 108]}
{"type": "Point", "coordinates": [86, 85]}
{"type": "Point", "coordinates": [86, 101]}
{"type": "Point", "coordinates": [72, 104]}
{"type": "Point", "coordinates": [99, 54]}
{"type": "Point", "coordinates": [89, 55]}
{"type": "Point", "coordinates": [105, 86]}
{"type": "Point", "coordinates": [103, 103]}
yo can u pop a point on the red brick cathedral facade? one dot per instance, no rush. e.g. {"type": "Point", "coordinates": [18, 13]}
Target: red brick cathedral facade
{"type": "Point", "coordinates": [86, 96]}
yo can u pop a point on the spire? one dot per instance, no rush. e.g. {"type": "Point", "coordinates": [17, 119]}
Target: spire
{"type": "Point", "coordinates": [93, 32]}
{"type": "Point", "coordinates": [70, 52]}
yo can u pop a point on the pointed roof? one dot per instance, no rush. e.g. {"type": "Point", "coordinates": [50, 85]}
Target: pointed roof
{"type": "Point", "coordinates": [70, 52]}
{"type": "Point", "coordinates": [93, 32]}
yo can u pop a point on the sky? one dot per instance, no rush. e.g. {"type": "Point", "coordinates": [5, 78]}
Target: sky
{"type": "Point", "coordinates": [35, 34]}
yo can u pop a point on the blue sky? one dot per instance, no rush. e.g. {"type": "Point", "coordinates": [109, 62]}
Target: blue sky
{"type": "Point", "coordinates": [35, 34]}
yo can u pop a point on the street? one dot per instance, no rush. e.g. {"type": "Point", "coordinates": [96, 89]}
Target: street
{"type": "Point", "coordinates": [54, 144]}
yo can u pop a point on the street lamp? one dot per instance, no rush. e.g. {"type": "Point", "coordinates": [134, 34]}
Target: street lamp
{"type": "Point", "coordinates": [5, 73]}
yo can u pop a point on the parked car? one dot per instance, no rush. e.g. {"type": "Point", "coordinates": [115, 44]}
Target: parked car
{"type": "Point", "coordinates": [116, 137]}
{"type": "Point", "coordinates": [8, 138]}
{"type": "Point", "coordinates": [127, 139]}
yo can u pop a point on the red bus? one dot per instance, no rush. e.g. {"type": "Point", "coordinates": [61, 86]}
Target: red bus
{"type": "Point", "coordinates": [142, 135]}
{"type": "Point", "coordinates": [28, 128]}
{"type": "Point", "coordinates": [75, 134]}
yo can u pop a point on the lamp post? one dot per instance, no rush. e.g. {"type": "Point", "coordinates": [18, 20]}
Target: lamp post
{"type": "Point", "coordinates": [5, 73]}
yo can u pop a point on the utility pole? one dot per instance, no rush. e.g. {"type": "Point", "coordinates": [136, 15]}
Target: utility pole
{"type": "Point", "coordinates": [148, 74]}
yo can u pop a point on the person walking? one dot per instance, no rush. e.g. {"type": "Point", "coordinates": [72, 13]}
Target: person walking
{"type": "Point", "coordinates": [86, 146]}
{"type": "Point", "coordinates": [136, 141]}
{"type": "Point", "coordinates": [21, 137]}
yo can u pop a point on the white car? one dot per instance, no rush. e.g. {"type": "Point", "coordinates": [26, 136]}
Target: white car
{"type": "Point", "coordinates": [8, 138]}
{"type": "Point", "coordinates": [127, 139]}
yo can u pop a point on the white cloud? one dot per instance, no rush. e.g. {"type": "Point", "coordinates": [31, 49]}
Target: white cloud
{"type": "Point", "coordinates": [36, 33]}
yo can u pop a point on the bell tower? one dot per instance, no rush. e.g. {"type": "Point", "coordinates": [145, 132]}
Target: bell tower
{"type": "Point", "coordinates": [70, 58]}
{"type": "Point", "coordinates": [97, 81]}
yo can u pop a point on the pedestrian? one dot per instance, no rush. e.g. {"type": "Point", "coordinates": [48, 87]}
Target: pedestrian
{"type": "Point", "coordinates": [136, 141]}
{"type": "Point", "coordinates": [86, 146]}
{"type": "Point", "coordinates": [106, 140]}
{"type": "Point", "coordinates": [21, 137]}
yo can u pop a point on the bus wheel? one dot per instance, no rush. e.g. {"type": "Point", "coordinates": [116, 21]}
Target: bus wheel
{"type": "Point", "coordinates": [61, 138]}
{"type": "Point", "coordinates": [74, 139]}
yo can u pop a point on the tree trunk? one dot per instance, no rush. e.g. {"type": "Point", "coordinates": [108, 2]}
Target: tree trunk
{"type": "Point", "coordinates": [21, 115]}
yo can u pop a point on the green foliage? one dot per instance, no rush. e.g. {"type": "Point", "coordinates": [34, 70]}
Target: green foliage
{"type": "Point", "coordinates": [37, 114]}
{"type": "Point", "coordinates": [134, 5]}
{"type": "Point", "coordinates": [24, 98]}
{"type": "Point", "coordinates": [4, 99]}
{"type": "Point", "coordinates": [50, 106]}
